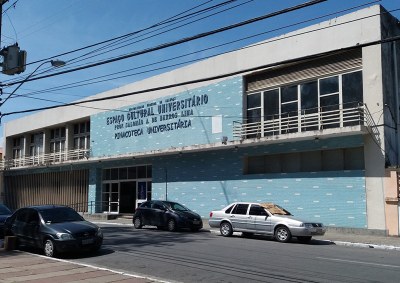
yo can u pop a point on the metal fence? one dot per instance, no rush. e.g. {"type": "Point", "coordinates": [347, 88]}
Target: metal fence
{"type": "Point", "coordinates": [336, 116]}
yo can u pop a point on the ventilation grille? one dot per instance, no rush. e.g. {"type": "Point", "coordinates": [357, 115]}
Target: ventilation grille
{"type": "Point", "coordinates": [333, 64]}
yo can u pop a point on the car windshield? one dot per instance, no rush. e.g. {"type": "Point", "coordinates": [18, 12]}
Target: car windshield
{"type": "Point", "coordinates": [176, 206]}
{"type": "Point", "coordinates": [4, 210]}
{"type": "Point", "coordinates": [275, 209]}
{"type": "Point", "coordinates": [59, 215]}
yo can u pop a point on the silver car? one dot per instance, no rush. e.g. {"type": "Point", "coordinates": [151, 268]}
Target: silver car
{"type": "Point", "coordinates": [263, 218]}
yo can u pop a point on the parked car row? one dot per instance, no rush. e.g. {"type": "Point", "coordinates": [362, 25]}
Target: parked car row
{"type": "Point", "coordinates": [263, 218]}
{"type": "Point", "coordinates": [56, 229]}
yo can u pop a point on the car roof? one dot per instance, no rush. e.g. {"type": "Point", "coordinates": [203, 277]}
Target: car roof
{"type": "Point", "coordinates": [46, 206]}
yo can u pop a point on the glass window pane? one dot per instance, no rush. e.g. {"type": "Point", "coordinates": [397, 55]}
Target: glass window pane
{"type": "Point", "coordinates": [76, 143]}
{"type": "Point", "coordinates": [331, 100]}
{"type": "Point", "coordinates": [142, 172]}
{"type": "Point", "coordinates": [241, 208]}
{"type": "Point", "coordinates": [123, 173]}
{"type": "Point", "coordinates": [82, 143]}
{"type": "Point", "coordinates": [271, 104]}
{"type": "Point", "coordinates": [352, 88]}
{"type": "Point", "coordinates": [149, 171]}
{"type": "Point", "coordinates": [82, 128]}
{"type": "Point", "coordinates": [88, 127]}
{"type": "Point", "coordinates": [309, 97]}
{"type": "Point", "coordinates": [114, 174]}
{"type": "Point", "coordinates": [289, 93]}
{"type": "Point", "coordinates": [132, 173]}
{"type": "Point", "coordinates": [253, 116]}
{"type": "Point", "coordinates": [76, 129]}
{"type": "Point", "coordinates": [289, 109]}
{"type": "Point", "coordinates": [329, 85]}
{"type": "Point", "coordinates": [253, 100]}
{"type": "Point", "coordinates": [63, 132]}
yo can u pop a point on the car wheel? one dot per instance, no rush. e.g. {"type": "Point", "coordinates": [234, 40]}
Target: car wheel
{"type": "Point", "coordinates": [49, 249]}
{"type": "Point", "coordinates": [137, 223]}
{"type": "Point", "coordinates": [226, 229]}
{"type": "Point", "coordinates": [282, 234]}
{"type": "Point", "coordinates": [304, 239]}
{"type": "Point", "coordinates": [171, 225]}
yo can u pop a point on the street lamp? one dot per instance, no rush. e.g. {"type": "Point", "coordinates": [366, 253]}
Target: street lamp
{"type": "Point", "coordinates": [55, 63]}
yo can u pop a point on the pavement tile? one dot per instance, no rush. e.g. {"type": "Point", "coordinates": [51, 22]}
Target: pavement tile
{"type": "Point", "coordinates": [79, 277]}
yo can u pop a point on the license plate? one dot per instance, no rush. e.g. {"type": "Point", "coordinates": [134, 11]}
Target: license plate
{"type": "Point", "coordinates": [196, 222]}
{"type": "Point", "coordinates": [87, 241]}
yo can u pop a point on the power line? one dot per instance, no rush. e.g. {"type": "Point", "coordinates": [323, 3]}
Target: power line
{"type": "Point", "coordinates": [82, 83]}
{"type": "Point", "coordinates": [169, 20]}
{"type": "Point", "coordinates": [231, 74]}
{"type": "Point", "coordinates": [174, 43]}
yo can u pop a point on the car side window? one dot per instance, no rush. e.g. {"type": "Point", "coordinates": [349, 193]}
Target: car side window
{"type": "Point", "coordinates": [22, 216]}
{"type": "Point", "coordinates": [240, 208]}
{"type": "Point", "coordinates": [158, 206]}
{"type": "Point", "coordinates": [146, 204]}
{"type": "Point", "coordinates": [32, 217]}
{"type": "Point", "coordinates": [257, 210]}
{"type": "Point", "coordinates": [229, 209]}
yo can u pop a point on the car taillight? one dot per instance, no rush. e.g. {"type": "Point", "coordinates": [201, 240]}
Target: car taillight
{"type": "Point", "coordinates": [210, 214]}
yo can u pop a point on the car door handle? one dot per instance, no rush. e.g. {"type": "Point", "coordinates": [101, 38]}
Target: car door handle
{"type": "Point", "coordinates": [232, 216]}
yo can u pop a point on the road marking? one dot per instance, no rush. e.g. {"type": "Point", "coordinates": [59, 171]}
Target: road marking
{"type": "Point", "coordinates": [359, 262]}
{"type": "Point", "coordinates": [105, 269]}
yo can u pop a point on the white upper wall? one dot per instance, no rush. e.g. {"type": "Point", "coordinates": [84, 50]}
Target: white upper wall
{"type": "Point", "coordinates": [326, 36]}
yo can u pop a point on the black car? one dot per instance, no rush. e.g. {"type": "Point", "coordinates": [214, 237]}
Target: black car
{"type": "Point", "coordinates": [166, 215]}
{"type": "Point", "coordinates": [53, 228]}
{"type": "Point", "coordinates": [5, 212]}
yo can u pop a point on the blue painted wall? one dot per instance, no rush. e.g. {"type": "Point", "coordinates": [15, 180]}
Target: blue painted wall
{"type": "Point", "coordinates": [178, 120]}
{"type": "Point", "coordinates": [210, 181]}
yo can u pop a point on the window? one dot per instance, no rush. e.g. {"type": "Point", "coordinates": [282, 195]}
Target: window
{"type": "Point", "coordinates": [257, 210]}
{"type": "Point", "coordinates": [228, 210]}
{"type": "Point", "coordinates": [309, 161]}
{"type": "Point", "coordinates": [240, 208]}
{"type": "Point", "coordinates": [127, 173]}
{"type": "Point", "coordinates": [18, 147]}
{"type": "Point", "coordinates": [281, 106]}
{"type": "Point", "coordinates": [146, 204]}
{"type": "Point", "coordinates": [57, 143]}
{"type": "Point", "coordinates": [82, 135]}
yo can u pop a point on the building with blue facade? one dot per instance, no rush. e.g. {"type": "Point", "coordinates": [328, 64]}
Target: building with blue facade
{"type": "Point", "coordinates": [307, 120]}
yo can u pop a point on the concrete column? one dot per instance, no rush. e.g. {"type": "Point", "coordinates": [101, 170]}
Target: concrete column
{"type": "Point", "coordinates": [374, 147]}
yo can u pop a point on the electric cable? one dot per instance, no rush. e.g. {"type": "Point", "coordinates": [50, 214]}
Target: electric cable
{"type": "Point", "coordinates": [177, 42]}
{"type": "Point", "coordinates": [88, 81]}
{"type": "Point", "coordinates": [212, 78]}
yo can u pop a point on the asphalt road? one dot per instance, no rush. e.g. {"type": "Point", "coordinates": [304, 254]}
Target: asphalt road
{"type": "Point", "coordinates": [207, 257]}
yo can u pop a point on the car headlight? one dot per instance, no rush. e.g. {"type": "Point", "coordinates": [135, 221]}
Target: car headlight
{"type": "Point", "coordinates": [99, 233]}
{"type": "Point", "coordinates": [307, 225]}
{"type": "Point", "coordinates": [64, 236]}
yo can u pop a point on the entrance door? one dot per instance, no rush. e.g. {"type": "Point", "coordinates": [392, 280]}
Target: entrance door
{"type": "Point", "coordinates": [127, 197]}
{"type": "Point", "coordinates": [110, 201]}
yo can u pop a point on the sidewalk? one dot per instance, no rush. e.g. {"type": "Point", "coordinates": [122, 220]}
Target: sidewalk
{"type": "Point", "coordinates": [17, 266]}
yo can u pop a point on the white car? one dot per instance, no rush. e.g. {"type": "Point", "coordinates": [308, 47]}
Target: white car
{"type": "Point", "coordinates": [263, 218]}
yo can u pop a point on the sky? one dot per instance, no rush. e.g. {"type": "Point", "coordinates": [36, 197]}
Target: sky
{"type": "Point", "coordinates": [53, 29]}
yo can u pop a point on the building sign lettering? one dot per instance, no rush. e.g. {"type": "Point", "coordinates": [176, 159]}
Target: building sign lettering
{"type": "Point", "coordinates": [156, 117]}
